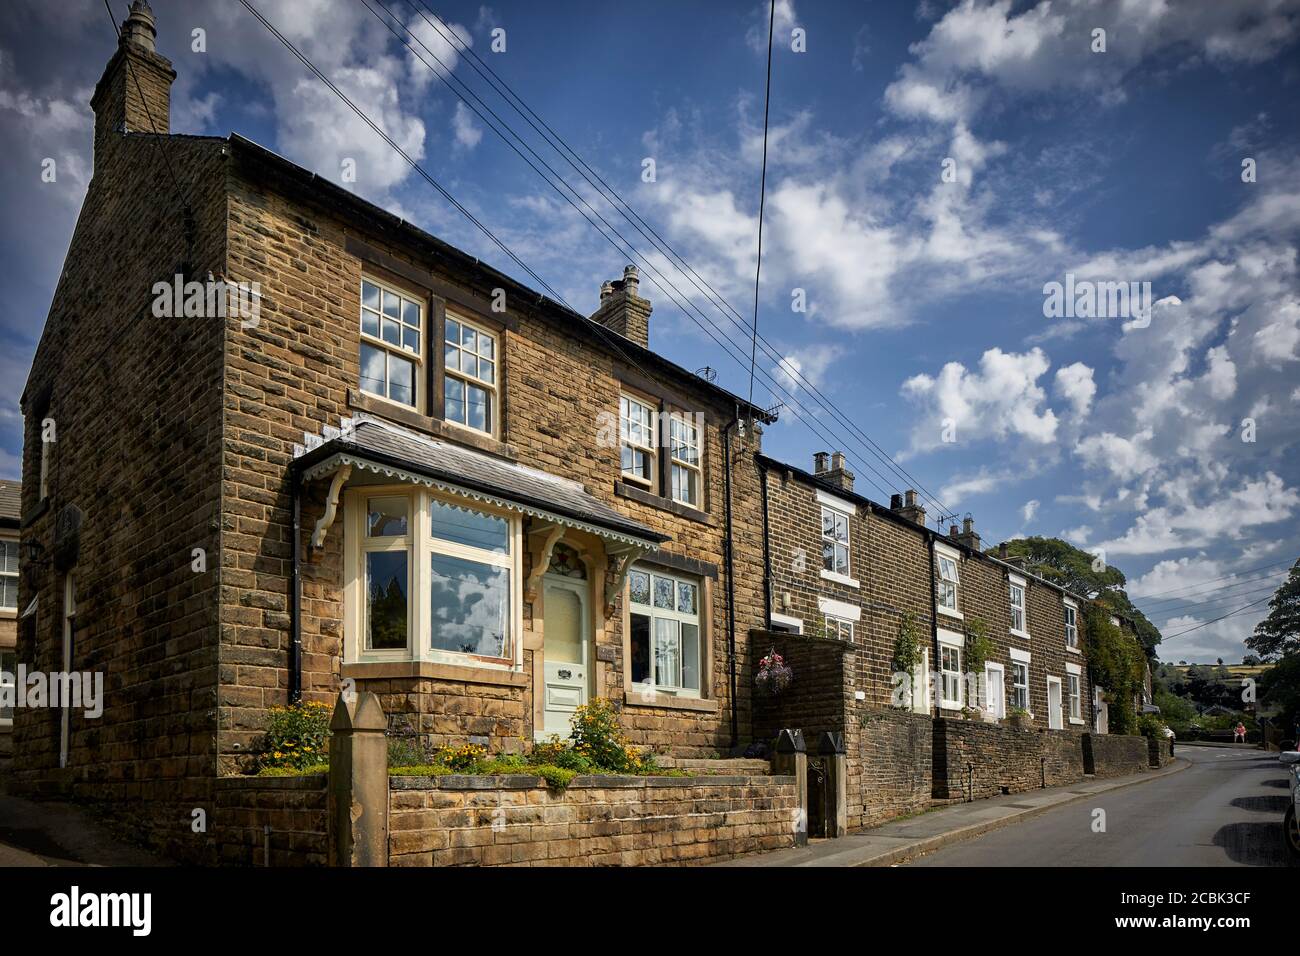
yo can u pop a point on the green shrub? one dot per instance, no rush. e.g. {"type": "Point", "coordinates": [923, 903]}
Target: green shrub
{"type": "Point", "coordinates": [1149, 725]}
{"type": "Point", "coordinates": [460, 759]}
{"type": "Point", "coordinates": [296, 737]}
{"type": "Point", "coordinates": [407, 752]}
{"type": "Point", "coordinates": [293, 772]}
{"type": "Point", "coordinates": [598, 738]}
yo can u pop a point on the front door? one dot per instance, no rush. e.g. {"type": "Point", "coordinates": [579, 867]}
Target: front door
{"type": "Point", "coordinates": [1054, 721]}
{"type": "Point", "coordinates": [566, 642]}
{"type": "Point", "coordinates": [997, 693]}
{"type": "Point", "coordinates": [1103, 716]}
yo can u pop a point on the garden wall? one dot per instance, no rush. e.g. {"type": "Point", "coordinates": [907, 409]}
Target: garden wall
{"type": "Point", "coordinates": [1160, 753]}
{"type": "Point", "coordinates": [294, 808]}
{"type": "Point", "coordinates": [596, 821]}
{"type": "Point", "coordinates": [816, 699]}
{"type": "Point", "coordinates": [1114, 755]}
{"type": "Point", "coordinates": [972, 757]}
{"type": "Point", "coordinates": [890, 766]}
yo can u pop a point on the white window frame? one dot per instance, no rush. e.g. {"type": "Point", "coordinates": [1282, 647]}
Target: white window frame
{"type": "Point", "coordinates": [921, 684]}
{"type": "Point", "coordinates": [388, 348]}
{"type": "Point", "coordinates": [419, 544]}
{"type": "Point", "coordinates": [838, 628]}
{"type": "Point", "coordinates": [690, 437]}
{"type": "Point", "coordinates": [1019, 584]}
{"type": "Point", "coordinates": [955, 643]}
{"type": "Point", "coordinates": [944, 559]}
{"type": "Point", "coordinates": [1071, 615]}
{"type": "Point", "coordinates": [493, 388]}
{"type": "Point", "coordinates": [1074, 693]}
{"type": "Point", "coordinates": [698, 619]}
{"type": "Point", "coordinates": [836, 515]}
{"type": "Point", "coordinates": [5, 544]}
{"type": "Point", "coordinates": [795, 624]}
{"type": "Point", "coordinates": [1018, 661]}
{"type": "Point", "coordinates": [648, 431]}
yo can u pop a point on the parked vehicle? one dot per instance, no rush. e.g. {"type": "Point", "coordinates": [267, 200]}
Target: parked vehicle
{"type": "Point", "coordinates": [1291, 823]}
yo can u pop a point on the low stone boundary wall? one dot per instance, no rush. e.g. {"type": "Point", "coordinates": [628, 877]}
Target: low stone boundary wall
{"type": "Point", "coordinates": [890, 771]}
{"type": "Point", "coordinates": [293, 807]}
{"type": "Point", "coordinates": [1114, 755]}
{"type": "Point", "coordinates": [596, 821]}
{"type": "Point", "coordinates": [1160, 752]}
{"type": "Point", "coordinates": [974, 760]}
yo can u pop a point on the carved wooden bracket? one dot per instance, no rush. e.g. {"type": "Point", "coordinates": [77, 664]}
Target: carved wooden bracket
{"type": "Point", "coordinates": [331, 506]}
{"type": "Point", "coordinates": [542, 540]}
{"type": "Point", "coordinates": [620, 562]}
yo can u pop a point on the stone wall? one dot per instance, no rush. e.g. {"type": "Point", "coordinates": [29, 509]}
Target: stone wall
{"type": "Point", "coordinates": [985, 760]}
{"type": "Point", "coordinates": [293, 807]}
{"type": "Point", "coordinates": [1160, 752]}
{"type": "Point", "coordinates": [817, 699]}
{"type": "Point", "coordinates": [1114, 755]}
{"type": "Point", "coordinates": [891, 767]}
{"type": "Point", "coordinates": [596, 821]}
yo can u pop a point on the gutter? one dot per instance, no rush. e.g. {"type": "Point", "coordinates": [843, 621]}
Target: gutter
{"type": "Point", "coordinates": [728, 551]}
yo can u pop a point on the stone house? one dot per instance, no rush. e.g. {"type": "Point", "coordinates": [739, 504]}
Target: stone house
{"type": "Point", "coordinates": [10, 492]}
{"type": "Point", "coordinates": [393, 466]}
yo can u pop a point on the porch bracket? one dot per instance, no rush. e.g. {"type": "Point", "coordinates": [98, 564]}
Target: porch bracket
{"type": "Point", "coordinates": [621, 561]}
{"type": "Point", "coordinates": [548, 535]}
{"type": "Point", "coordinates": [331, 506]}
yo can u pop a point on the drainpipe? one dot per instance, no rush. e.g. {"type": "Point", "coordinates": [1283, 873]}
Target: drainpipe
{"type": "Point", "coordinates": [731, 577]}
{"type": "Point", "coordinates": [767, 549]}
{"type": "Point", "coordinates": [295, 594]}
{"type": "Point", "coordinates": [934, 623]}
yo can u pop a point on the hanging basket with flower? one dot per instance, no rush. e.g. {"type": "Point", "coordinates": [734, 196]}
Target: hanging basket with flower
{"type": "Point", "coordinates": [774, 674]}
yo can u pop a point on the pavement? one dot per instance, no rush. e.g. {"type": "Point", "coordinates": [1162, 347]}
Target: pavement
{"type": "Point", "coordinates": [56, 833]}
{"type": "Point", "coordinates": [901, 840]}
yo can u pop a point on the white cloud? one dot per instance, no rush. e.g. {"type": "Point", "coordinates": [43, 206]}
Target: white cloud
{"type": "Point", "coordinates": [1029, 510]}
{"type": "Point", "coordinates": [782, 21]}
{"type": "Point", "coordinates": [462, 122]}
{"type": "Point", "coordinates": [1074, 384]}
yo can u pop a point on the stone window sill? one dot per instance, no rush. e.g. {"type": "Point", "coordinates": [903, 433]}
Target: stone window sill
{"type": "Point", "coordinates": [840, 579]}
{"type": "Point", "coordinates": [1014, 633]}
{"type": "Point", "coordinates": [633, 493]}
{"type": "Point", "coordinates": [1072, 649]}
{"type": "Point", "coordinates": [949, 612]}
{"type": "Point", "coordinates": [669, 702]}
{"type": "Point", "coordinates": [1076, 721]}
{"type": "Point", "coordinates": [379, 670]}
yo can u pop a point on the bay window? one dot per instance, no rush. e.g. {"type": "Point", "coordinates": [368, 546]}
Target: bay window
{"type": "Point", "coordinates": [665, 649]}
{"type": "Point", "coordinates": [438, 579]}
{"type": "Point", "coordinates": [469, 375]}
{"type": "Point", "coordinates": [392, 326]}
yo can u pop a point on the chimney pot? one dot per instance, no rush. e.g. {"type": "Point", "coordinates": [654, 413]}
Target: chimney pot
{"type": "Point", "coordinates": [820, 462]}
{"type": "Point", "coordinates": [622, 309]}
{"type": "Point", "coordinates": [895, 502]}
{"type": "Point", "coordinates": [1002, 550]}
{"type": "Point", "coordinates": [952, 531]}
{"type": "Point", "coordinates": [837, 461]}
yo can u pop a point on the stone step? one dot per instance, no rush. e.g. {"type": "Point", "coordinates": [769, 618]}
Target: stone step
{"type": "Point", "coordinates": [724, 767]}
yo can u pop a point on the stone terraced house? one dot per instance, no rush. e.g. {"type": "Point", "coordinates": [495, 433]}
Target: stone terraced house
{"type": "Point", "coordinates": [397, 470]}
{"type": "Point", "coordinates": [10, 493]}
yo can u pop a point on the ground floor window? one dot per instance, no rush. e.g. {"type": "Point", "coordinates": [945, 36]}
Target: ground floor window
{"type": "Point", "coordinates": [1076, 703]}
{"type": "Point", "coordinates": [665, 651]}
{"type": "Point", "coordinates": [438, 578]}
{"type": "Point", "coordinates": [1019, 685]}
{"type": "Point", "coordinates": [950, 675]}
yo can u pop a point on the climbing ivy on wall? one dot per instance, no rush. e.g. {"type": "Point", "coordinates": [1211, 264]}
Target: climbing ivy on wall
{"type": "Point", "coordinates": [1117, 664]}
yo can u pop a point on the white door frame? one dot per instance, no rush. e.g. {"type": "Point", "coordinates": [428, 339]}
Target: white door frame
{"type": "Point", "coordinates": [1055, 714]}
{"type": "Point", "coordinates": [1000, 706]}
{"type": "Point", "coordinates": [582, 588]}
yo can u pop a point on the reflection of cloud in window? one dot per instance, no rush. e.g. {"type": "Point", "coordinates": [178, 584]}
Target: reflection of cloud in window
{"type": "Point", "coordinates": [468, 603]}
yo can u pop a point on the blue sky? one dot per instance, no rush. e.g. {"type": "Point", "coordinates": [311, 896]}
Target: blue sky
{"type": "Point", "coordinates": [925, 297]}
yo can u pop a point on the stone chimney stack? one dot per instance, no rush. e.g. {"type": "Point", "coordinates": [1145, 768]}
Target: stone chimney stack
{"type": "Point", "coordinates": [835, 472]}
{"type": "Point", "coordinates": [905, 504]}
{"type": "Point", "coordinates": [622, 309]}
{"type": "Point", "coordinates": [969, 536]}
{"type": "Point", "coordinates": [134, 94]}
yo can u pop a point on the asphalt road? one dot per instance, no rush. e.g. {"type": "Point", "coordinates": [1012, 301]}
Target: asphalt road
{"type": "Point", "coordinates": [1224, 810]}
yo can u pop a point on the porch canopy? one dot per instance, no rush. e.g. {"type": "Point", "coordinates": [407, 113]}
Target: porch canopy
{"type": "Point", "coordinates": [406, 457]}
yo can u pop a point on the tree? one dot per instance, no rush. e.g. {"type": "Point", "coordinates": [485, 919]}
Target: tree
{"type": "Point", "coordinates": [1062, 563]}
{"type": "Point", "coordinates": [1280, 688]}
{"type": "Point", "coordinates": [1250, 660]}
{"type": "Point", "coordinates": [1279, 633]}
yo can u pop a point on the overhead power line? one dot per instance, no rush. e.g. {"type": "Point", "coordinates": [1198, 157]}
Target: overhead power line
{"type": "Point", "coordinates": [762, 198]}
{"type": "Point", "coordinates": [1272, 581]}
{"type": "Point", "coordinates": [1224, 617]}
{"type": "Point", "coordinates": [1287, 563]}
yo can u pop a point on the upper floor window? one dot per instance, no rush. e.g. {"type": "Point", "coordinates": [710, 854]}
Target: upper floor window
{"type": "Point", "coordinates": [392, 325]}
{"type": "Point", "coordinates": [665, 651]}
{"type": "Point", "coordinates": [1017, 606]}
{"type": "Point", "coordinates": [636, 432]}
{"type": "Point", "coordinates": [948, 583]}
{"type": "Point", "coordinates": [1071, 626]}
{"type": "Point", "coordinates": [9, 575]}
{"type": "Point", "coordinates": [684, 439]}
{"type": "Point", "coordinates": [835, 541]}
{"type": "Point", "coordinates": [469, 376]}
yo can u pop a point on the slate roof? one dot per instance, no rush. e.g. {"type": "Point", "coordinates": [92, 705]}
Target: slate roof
{"type": "Point", "coordinates": [9, 501]}
{"type": "Point", "coordinates": [475, 471]}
